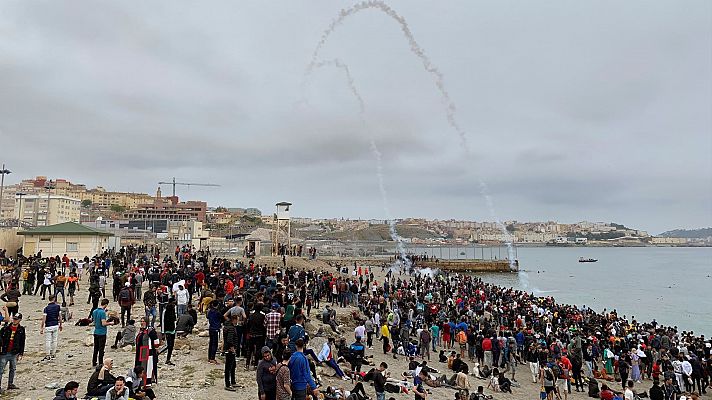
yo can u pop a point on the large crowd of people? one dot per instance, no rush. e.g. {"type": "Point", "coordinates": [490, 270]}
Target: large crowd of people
{"type": "Point", "coordinates": [451, 329]}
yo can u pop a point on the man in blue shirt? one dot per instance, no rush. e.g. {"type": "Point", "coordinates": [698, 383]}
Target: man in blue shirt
{"type": "Point", "coordinates": [296, 332]}
{"type": "Point", "coordinates": [300, 373]}
{"type": "Point", "coordinates": [50, 326]}
{"type": "Point", "coordinates": [100, 330]}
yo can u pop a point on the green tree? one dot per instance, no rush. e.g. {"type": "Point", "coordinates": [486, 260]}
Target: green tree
{"type": "Point", "coordinates": [86, 203]}
{"type": "Point", "coordinates": [117, 208]}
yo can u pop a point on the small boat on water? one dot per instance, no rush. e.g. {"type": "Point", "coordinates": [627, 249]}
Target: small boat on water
{"type": "Point", "coordinates": [581, 259]}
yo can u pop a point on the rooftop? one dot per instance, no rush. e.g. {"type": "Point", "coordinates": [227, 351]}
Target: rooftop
{"type": "Point", "coordinates": [66, 228]}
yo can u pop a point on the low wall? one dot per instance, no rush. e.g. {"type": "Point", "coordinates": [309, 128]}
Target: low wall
{"type": "Point", "coordinates": [467, 265]}
{"type": "Point", "coordinates": [10, 240]}
{"type": "Point", "coordinates": [449, 265]}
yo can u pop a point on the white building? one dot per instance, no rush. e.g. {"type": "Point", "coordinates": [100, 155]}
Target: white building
{"type": "Point", "coordinates": [41, 210]}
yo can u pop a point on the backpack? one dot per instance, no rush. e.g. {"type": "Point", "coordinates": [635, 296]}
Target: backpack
{"type": "Point", "coordinates": [124, 297]}
{"type": "Point", "coordinates": [557, 370]}
{"type": "Point", "coordinates": [549, 375]}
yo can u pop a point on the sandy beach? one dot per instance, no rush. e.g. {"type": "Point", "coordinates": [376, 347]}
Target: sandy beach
{"type": "Point", "coordinates": [192, 377]}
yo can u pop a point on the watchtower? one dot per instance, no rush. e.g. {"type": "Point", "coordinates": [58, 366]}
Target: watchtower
{"type": "Point", "coordinates": [282, 227]}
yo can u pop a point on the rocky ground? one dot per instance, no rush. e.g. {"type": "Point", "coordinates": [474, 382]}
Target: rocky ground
{"type": "Point", "coordinates": [192, 377]}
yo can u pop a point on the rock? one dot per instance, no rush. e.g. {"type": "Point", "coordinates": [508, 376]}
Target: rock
{"type": "Point", "coordinates": [89, 341]}
{"type": "Point", "coordinates": [53, 385]}
{"type": "Point", "coordinates": [127, 349]}
{"type": "Point", "coordinates": [185, 347]}
{"type": "Point", "coordinates": [204, 334]}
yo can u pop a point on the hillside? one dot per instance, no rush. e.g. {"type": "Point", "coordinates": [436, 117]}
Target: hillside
{"type": "Point", "coordinates": [688, 233]}
{"type": "Point", "coordinates": [374, 233]}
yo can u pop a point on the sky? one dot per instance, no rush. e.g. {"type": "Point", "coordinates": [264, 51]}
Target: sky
{"type": "Point", "coordinates": [588, 110]}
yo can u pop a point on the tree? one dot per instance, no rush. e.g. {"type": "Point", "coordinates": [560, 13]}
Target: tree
{"type": "Point", "coordinates": [510, 228]}
{"type": "Point", "coordinates": [117, 208]}
{"type": "Point", "coordinates": [220, 209]}
{"type": "Point", "coordinates": [86, 203]}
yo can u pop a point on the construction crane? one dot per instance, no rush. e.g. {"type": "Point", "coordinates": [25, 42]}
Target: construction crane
{"type": "Point", "coordinates": [174, 183]}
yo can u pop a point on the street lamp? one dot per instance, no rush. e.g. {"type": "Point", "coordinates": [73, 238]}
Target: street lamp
{"type": "Point", "coordinates": [49, 185]}
{"type": "Point", "coordinates": [3, 172]}
{"type": "Point", "coordinates": [19, 208]}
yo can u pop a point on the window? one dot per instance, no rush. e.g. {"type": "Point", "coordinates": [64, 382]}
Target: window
{"type": "Point", "coordinates": [45, 240]}
{"type": "Point", "coordinates": [72, 246]}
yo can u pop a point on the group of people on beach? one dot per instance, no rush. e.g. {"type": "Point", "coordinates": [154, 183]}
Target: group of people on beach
{"type": "Point", "coordinates": [259, 314]}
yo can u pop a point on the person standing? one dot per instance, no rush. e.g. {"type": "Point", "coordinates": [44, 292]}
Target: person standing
{"type": "Point", "coordinates": [149, 303]}
{"type": "Point", "coordinates": [101, 323]}
{"type": "Point", "coordinates": [241, 319]}
{"type": "Point", "coordinates": [12, 347]}
{"type": "Point", "coordinates": [283, 379]}
{"type": "Point", "coordinates": [168, 327]}
{"type": "Point", "coordinates": [60, 282]}
{"type": "Point", "coordinates": [12, 299]}
{"type": "Point", "coordinates": [229, 345]}
{"type": "Point", "coordinates": [385, 337]}
{"type": "Point", "coordinates": [266, 382]}
{"type": "Point", "coordinates": [72, 285]}
{"type": "Point", "coordinates": [300, 373]}
{"type": "Point", "coordinates": [147, 343]}
{"type": "Point", "coordinates": [272, 325]}
{"type": "Point", "coordinates": [214, 323]}
{"type": "Point", "coordinates": [257, 331]}
{"type": "Point", "coordinates": [50, 326]}
{"type": "Point", "coordinates": [182, 297]}
{"type": "Point", "coordinates": [126, 301]}
{"type": "Point", "coordinates": [379, 381]}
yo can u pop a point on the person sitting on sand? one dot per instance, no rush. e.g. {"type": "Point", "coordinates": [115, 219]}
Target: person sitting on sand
{"type": "Point", "coordinates": [127, 336]}
{"type": "Point", "coordinates": [101, 380]}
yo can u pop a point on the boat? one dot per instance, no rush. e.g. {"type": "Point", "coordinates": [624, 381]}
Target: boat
{"type": "Point", "coordinates": [581, 259]}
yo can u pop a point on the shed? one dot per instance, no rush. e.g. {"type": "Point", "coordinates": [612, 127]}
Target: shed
{"type": "Point", "coordinates": [70, 238]}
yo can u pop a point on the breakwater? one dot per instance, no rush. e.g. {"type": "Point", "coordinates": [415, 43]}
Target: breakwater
{"type": "Point", "coordinates": [465, 265]}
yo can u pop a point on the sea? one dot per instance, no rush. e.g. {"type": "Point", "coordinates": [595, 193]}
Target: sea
{"type": "Point", "coordinates": [672, 285]}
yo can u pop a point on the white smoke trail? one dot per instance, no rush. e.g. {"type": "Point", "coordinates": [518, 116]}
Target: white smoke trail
{"type": "Point", "coordinates": [415, 48]}
{"type": "Point", "coordinates": [400, 248]}
{"type": "Point", "coordinates": [508, 237]}
{"type": "Point", "coordinates": [450, 108]}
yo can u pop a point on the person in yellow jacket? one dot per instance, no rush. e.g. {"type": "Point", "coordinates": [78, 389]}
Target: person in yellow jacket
{"type": "Point", "coordinates": [385, 336]}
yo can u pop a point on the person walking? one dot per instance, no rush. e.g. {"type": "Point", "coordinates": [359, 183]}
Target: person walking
{"type": "Point", "coordinates": [101, 323]}
{"type": "Point", "coordinates": [50, 326]}
{"type": "Point", "coordinates": [12, 348]}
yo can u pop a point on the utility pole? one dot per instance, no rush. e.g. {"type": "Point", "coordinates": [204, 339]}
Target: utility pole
{"type": "Point", "coordinates": [20, 208]}
{"type": "Point", "coordinates": [3, 172]}
{"type": "Point", "coordinates": [49, 185]}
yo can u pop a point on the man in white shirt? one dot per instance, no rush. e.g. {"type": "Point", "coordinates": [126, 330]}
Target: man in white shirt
{"type": "Point", "coordinates": [182, 298]}
{"type": "Point", "coordinates": [360, 331]}
{"type": "Point", "coordinates": [629, 394]}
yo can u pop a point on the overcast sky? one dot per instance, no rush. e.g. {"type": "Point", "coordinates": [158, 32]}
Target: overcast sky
{"type": "Point", "coordinates": [573, 110]}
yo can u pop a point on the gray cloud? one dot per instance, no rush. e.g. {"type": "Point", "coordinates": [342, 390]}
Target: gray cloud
{"type": "Point", "coordinates": [587, 110]}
